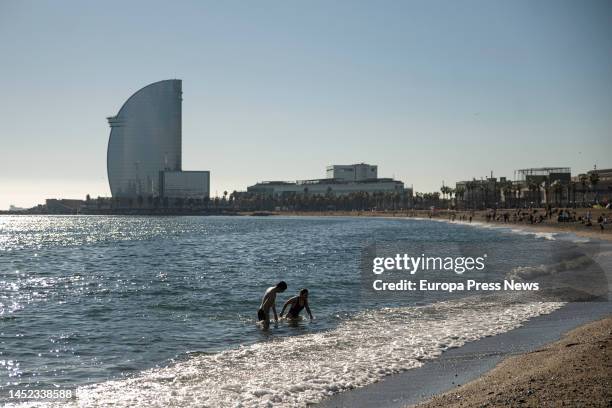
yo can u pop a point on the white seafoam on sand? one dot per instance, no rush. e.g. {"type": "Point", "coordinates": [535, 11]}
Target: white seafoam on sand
{"type": "Point", "coordinates": [513, 228]}
{"type": "Point", "coordinates": [299, 370]}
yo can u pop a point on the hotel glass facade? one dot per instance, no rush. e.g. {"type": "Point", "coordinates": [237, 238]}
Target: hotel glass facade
{"type": "Point", "coordinates": [145, 139]}
{"type": "Point", "coordinates": [144, 148]}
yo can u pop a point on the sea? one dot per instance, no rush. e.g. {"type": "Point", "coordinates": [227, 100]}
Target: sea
{"type": "Point", "coordinates": [161, 311]}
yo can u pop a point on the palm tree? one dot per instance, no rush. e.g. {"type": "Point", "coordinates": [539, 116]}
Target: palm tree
{"type": "Point", "coordinates": [509, 190]}
{"type": "Point", "coordinates": [518, 188]}
{"type": "Point", "coordinates": [594, 179]}
{"type": "Point", "coordinates": [496, 193]}
{"type": "Point", "coordinates": [446, 190]}
{"type": "Point", "coordinates": [533, 187]}
{"type": "Point", "coordinates": [233, 198]}
{"type": "Point", "coordinates": [557, 188]}
{"type": "Point", "coordinates": [470, 193]}
{"type": "Point", "coordinates": [459, 192]}
{"type": "Point", "coordinates": [571, 193]}
{"type": "Point", "coordinates": [583, 181]}
{"type": "Point", "coordinates": [484, 193]}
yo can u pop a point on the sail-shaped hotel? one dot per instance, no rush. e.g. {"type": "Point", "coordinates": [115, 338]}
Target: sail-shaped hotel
{"type": "Point", "coordinates": [144, 148]}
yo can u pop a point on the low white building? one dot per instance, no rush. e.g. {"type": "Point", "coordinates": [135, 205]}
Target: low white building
{"type": "Point", "coordinates": [344, 180]}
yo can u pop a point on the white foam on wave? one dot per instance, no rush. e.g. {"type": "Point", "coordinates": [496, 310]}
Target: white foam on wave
{"type": "Point", "coordinates": [551, 236]}
{"type": "Point", "coordinates": [299, 370]}
{"type": "Point", "coordinates": [537, 271]}
{"type": "Point", "coordinates": [602, 258]}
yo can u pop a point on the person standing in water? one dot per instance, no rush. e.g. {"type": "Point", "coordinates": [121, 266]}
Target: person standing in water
{"type": "Point", "coordinates": [269, 302]}
{"type": "Point", "coordinates": [297, 304]}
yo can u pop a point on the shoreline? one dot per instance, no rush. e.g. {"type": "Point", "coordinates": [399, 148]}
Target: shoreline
{"type": "Point", "coordinates": [574, 371]}
{"type": "Point", "coordinates": [439, 382]}
{"type": "Point", "coordinates": [580, 230]}
{"type": "Point", "coordinates": [470, 362]}
{"type": "Point", "coordinates": [593, 232]}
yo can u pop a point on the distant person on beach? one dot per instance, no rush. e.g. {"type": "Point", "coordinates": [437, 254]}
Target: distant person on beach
{"type": "Point", "coordinates": [269, 302]}
{"type": "Point", "coordinates": [297, 303]}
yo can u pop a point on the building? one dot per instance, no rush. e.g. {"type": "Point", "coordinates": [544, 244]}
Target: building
{"type": "Point", "coordinates": [64, 205]}
{"type": "Point", "coordinates": [327, 186]}
{"type": "Point", "coordinates": [352, 172]}
{"type": "Point", "coordinates": [144, 157]}
{"type": "Point", "coordinates": [483, 193]}
{"type": "Point", "coordinates": [604, 176]}
{"type": "Point", "coordinates": [544, 175]}
{"type": "Point", "coordinates": [594, 186]}
{"type": "Point", "coordinates": [346, 179]}
{"type": "Point", "coordinates": [185, 184]}
{"type": "Point", "coordinates": [531, 187]}
{"type": "Point", "coordinates": [601, 184]}
{"type": "Point", "coordinates": [544, 185]}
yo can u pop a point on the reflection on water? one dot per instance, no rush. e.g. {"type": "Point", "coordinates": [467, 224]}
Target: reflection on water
{"type": "Point", "coordinates": [84, 299]}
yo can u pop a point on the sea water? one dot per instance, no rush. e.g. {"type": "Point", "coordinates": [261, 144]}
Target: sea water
{"type": "Point", "coordinates": [161, 311]}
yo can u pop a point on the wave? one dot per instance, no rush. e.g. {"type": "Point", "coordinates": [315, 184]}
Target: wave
{"type": "Point", "coordinates": [537, 271]}
{"type": "Point", "coordinates": [301, 370]}
{"type": "Point", "coordinates": [551, 236]}
{"type": "Point", "coordinates": [513, 228]}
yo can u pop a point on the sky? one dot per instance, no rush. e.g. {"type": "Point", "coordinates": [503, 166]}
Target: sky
{"type": "Point", "coordinates": [430, 91]}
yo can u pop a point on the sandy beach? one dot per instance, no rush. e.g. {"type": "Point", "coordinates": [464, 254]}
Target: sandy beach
{"type": "Point", "coordinates": [440, 380]}
{"type": "Point", "coordinates": [547, 225]}
{"type": "Point", "coordinates": [575, 371]}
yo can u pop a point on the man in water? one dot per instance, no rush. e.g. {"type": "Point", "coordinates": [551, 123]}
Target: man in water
{"type": "Point", "coordinates": [269, 301]}
{"type": "Point", "coordinates": [297, 303]}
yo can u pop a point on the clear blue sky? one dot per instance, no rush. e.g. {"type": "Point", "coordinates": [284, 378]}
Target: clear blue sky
{"type": "Point", "coordinates": [428, 90]}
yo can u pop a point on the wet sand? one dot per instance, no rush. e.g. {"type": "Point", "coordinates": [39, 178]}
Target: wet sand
{"type": "Point", "coordinates": [468, 363]}
{"type": "Point", "coordinates": [575, 371]}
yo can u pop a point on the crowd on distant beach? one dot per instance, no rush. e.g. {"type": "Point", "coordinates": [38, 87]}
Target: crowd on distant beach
{"type": "Point", "coordinates": [539, 216]}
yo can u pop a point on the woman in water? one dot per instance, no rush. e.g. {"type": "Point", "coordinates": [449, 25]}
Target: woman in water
{"type": "Point", "coordinates": [297, 304]}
